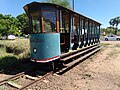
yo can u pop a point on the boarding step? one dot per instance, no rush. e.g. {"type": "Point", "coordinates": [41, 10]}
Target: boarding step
{"type": "Point", "coordinates": [75, 51]}
{"type": "Point", "coordinates": [79, 53]}
{"type": "Point", "coordinates": [83, 57]}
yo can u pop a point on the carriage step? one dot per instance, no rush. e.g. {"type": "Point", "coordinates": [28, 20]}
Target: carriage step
{"type": "Point", "coordinates": [75, 51]}
{"type": "Point", "coordinates": [78, 54]}
{"type": "Point", "coordinates": [82, 58]}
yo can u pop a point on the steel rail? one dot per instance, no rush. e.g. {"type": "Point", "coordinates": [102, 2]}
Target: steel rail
{"type": "Point", "coordinates": [13, 77]}
{"type": "Point", "coordinates": [41, 78]}
{"type": "Point", "coordinates": [52, 72]}
{"type": "Point", "coordinates": [31, 83]}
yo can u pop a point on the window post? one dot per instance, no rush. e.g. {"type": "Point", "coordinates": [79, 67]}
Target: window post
{"type": "Point", "coordinates": [84, 27]}
{"type": "Point", "coordinates": [88, 32]}
{"type": "Point", "coordinates": [80, 30]}
{"type": "Point", "coordinates": [57, 21]}
{"type": "Point", "coordinates": [42, 21]}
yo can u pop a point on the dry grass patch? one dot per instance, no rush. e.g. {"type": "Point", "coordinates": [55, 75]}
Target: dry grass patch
{"type": "Point", "coordinates": [19, 47]}
{"type": "Point", "coordinates": [12, 53]}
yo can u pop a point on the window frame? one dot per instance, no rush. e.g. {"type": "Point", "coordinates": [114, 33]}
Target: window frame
{"type": "Point", "coordinates": [31, 22]}
{"type": "Point", "coordinates": [41, 20]}
{"type": "Point", "coordinates": [44, 23]}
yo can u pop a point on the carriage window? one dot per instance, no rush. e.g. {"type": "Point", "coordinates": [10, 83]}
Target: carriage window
{"type": "Point", "coordinates": [36, 22]}
{"type": "Point", "coordinates": [49, 18]}
{"type": "Point", "coordinates": [65, 24]}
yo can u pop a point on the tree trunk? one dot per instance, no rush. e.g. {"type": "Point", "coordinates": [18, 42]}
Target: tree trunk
{"type": "Point", "coordinates": [116, 30]}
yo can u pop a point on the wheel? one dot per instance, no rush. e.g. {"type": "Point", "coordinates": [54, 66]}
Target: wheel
{"type": "Point", "coordinates": [118, 39]}
{"type": "Point", "coordinates": [106, 39]}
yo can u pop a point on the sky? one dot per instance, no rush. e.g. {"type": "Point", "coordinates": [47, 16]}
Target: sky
{"type": "Point", "coordinates": [99, 10]}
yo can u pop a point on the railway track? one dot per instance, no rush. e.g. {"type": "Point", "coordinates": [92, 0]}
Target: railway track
{"type": "Point", "coordinates": [71, 59]}
{"type": "Point", "coordinates": [22, 81]}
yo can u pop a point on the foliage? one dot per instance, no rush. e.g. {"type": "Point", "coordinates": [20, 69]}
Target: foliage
{"type": "Point", "coordinates": [12, 25]}
{"type": "Point", "coordinates": [64, 3]}
{"type": "Point", "coordinates": [8, 25]}
{"type": "Point", "coordinates": [109, 30]}
{"type": "Point", "coordinates": [23, 21]}
{"type": "Point", "coordinates": [114, 22]}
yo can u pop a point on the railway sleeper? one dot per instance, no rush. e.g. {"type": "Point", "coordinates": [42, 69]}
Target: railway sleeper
{"type": "Point", "coordinates": [14, 85]}
{"type": "Point", "coordinates": [30, 77]}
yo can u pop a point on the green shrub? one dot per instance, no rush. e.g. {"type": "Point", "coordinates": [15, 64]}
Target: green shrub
{"type": "Point", "coordinates": [118, 33]}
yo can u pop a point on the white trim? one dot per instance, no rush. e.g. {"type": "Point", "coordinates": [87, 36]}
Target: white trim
{"type": "Point", "coordinates": [44, 61]}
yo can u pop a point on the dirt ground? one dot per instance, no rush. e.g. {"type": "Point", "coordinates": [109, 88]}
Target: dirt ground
{"type": "Point", "coordinates": [99, 72]}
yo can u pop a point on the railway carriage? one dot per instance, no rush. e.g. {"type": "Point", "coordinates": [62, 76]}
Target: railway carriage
{"type": "Point", "coordinates": [55, 29]}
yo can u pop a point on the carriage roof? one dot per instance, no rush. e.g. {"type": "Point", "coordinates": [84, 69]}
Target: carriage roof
{"type": "Point", "coordinates": [38, 4]}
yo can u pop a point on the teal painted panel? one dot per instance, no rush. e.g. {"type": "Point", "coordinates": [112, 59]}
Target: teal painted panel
{"type": "Point", "coordinates": [44, 45]}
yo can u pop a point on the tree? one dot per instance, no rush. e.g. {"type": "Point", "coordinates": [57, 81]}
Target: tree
{"type": "Point", "coordinates": [64, 3]}
{"type": "Point", "coordinates": [23, 21]}
{"type": "Point", "coordinates": [8, 25]}
{"type": "Point", "coordinates": [114, 22]}
{"type": "Point", "coordinates": [1, 16]}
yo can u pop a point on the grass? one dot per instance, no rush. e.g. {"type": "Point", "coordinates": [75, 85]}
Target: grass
{"type": "Point", "coordinates": [12, 53]}
{"type": "Point", "coordinates": [19, 47]}
{"type": "Point", "coordinates": [105, 44]}
{"type": "Point", "coordinates": [101, 37]}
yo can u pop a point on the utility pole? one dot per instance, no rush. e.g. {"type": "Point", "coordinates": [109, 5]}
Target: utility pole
{"type": "Point", "coordinates": [73, 4]}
